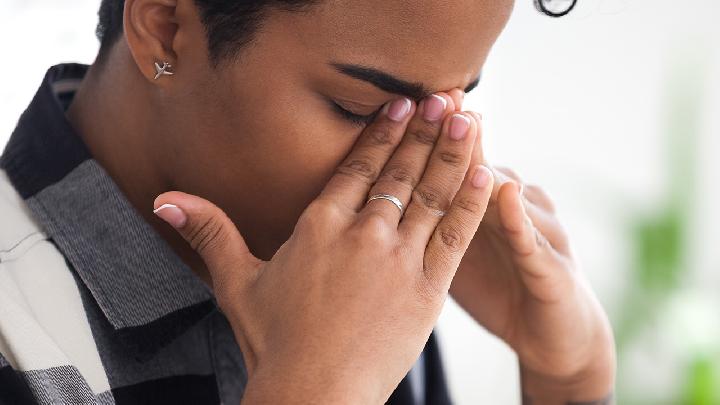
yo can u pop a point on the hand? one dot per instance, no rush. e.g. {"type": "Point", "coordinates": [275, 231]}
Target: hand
{"type": "Point", "coordinates": [520, 280]}
{"type": "Point", "coordinates": [343, 309]}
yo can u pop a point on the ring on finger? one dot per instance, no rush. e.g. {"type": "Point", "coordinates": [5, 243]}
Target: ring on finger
{"type": "Point", "coordinates": [388, 197]}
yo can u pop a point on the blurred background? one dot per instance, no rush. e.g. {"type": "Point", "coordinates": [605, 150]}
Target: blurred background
{"type": "Point", "coordinates": [614, 109]}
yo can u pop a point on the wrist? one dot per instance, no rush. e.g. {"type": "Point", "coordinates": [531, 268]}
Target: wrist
{"type": "Point", "coordinates": [284, 386]}
{"type": "Point", "coordinates": [593, 384]}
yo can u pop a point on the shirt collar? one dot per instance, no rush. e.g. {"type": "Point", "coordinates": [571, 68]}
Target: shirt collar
{"type": "Point", "coordinates": [142, 287]}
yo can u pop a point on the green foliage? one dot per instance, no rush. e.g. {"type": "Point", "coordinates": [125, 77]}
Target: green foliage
{"type": "Point", "coordinates": [658, 247]}
{"type": "Point", "coordinates": [659, 269]}
{"type": "Point", "coordinates": [701, 384]}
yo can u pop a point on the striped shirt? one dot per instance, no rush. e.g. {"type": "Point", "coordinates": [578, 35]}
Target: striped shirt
{"type": "Point", "coordinates": [95, 307]}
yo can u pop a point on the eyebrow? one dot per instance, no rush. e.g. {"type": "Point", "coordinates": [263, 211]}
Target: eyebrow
{"type": "Point", "coordinates": [387, 82]}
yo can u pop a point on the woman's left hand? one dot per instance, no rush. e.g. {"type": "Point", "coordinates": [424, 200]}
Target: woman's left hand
{"type": "Point", "coordinates": [520, 280]}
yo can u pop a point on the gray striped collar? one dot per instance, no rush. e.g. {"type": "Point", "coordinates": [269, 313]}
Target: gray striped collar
{"type": "Point", "coordinates": [139, 283]}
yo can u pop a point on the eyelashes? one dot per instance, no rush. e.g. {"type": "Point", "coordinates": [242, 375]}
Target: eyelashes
{"type": "Point", "coordinates": [356, 119]}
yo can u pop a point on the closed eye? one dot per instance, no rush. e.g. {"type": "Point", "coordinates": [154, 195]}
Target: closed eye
{"type": "Point", "coordinates": [356, 119]}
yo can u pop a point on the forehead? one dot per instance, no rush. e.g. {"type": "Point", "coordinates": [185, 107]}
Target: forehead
{"type": "Point", "coordinates": [442, 44]}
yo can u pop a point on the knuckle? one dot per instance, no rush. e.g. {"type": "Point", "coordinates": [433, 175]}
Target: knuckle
{"type": "Point", "coordinates": [424, 133]}
{"type": "Point", "coordinates": [510, 231]}
{"type": "Point", "coordinates": [469, 205]}
{"type": "Point", "coordinates": [316, 208]}
{"type": "Point", "coordinates": [360, 168]}
{"type": "Point", "coordinates": [430, 197]}
{"type": "Point", "coordinates": [206, 234]}
{"type": "Point", "coordinates": [451, 237]}
{"type": "Point", "coordinates": [380, 133]}
{"type": "Point", "coordinates": [320, 213]}
{"type": "Point", "coordinates": [399, 173]}
{"type": "Point", "coordinates": [373, 229]}
{"type": "Point", "coordinates": [452, 158]}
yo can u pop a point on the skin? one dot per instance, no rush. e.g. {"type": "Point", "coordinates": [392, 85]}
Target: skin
{"type": "Point", "coordinates": [261, 128]}
{"type": "Point", "coordinates": [314, 320]}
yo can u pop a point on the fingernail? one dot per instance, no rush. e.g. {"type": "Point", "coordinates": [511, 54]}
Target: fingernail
{"type": "Point", "coordinates": [481, 177]}
{"type": "Point", "coordinates": [459, 126]}
{"type": "Point", "coordinates": [433, 107]}
{"type": "Point", "coordinates": [396, 110]}
{"type": "Point", "coordinates": [171, 214]}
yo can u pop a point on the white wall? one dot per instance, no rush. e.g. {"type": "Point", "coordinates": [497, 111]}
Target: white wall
{"type": "Point", "coordinates": [579, 105]}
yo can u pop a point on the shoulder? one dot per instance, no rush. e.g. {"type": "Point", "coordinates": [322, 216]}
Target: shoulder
{"type": "Point", "coordinates": [45, 338]}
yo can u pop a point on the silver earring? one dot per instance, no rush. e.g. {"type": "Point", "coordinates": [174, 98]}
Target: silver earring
{"type": "Point", "coordinates": [163, 70]}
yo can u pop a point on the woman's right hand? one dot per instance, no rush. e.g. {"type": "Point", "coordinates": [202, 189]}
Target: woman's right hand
{"type": "Point", "coordinates": [346, 305]}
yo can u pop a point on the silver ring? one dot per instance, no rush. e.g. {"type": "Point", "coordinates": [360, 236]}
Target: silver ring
{"type": "Point", "coordinates": [388, 197]}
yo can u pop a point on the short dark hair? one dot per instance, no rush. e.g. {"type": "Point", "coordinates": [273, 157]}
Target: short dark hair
{"type": "Point", "coordinates": [229, 24]}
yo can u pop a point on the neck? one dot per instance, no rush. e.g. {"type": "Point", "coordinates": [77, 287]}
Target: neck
{"type": "Point", "coordinates": [108, 112]}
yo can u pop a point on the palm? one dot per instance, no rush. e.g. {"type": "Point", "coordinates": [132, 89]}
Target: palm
{"type": "Point", "coordinates": [488, 286]}
{"type": "Point", "coordinates": [538, 305]}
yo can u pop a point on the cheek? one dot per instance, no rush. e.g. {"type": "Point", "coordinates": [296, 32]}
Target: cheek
{"type": "Point", "coordinates": [305, 147]}
{"type": "Point", "coordinates": [287, 152]}
{"type": "Point", "coordinates": [282, 142]}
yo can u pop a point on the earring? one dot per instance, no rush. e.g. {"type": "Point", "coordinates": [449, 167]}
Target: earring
{"type": "Point", "coordinates": [163, 70]}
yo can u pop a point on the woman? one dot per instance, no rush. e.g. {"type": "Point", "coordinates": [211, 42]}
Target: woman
{"type": "Point", "coordinates": [331, 192]}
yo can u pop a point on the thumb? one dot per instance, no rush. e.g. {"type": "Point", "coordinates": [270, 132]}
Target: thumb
{"type": "Point", "coordinates": [210, 233]}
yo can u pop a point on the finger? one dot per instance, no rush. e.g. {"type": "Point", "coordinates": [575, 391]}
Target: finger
{"type": "Point", "coordinates": [453, 234]}
{"type": "Point", "coordinates": [443, 176]}
{"type": "Point", "coordinates": [404, 169]}
{"type": "Point", "coordinates": [458, 96]}
{"type": "Point", "coordinates": [539, 208]}
{"type": "Point", "coordinates": [504, 175]}
{"type": "Point", "coordinates": [478, 154]}
{"type": "Point", "coordinates": [531, 192]}
{"type": "Point", "coordinates": [492, 218]}
{"type": "Point", "coordinates": [353, 178]}
{"type": "Point", "coordinates": [210, 233]}
{"type": "Point", "coordinates": [532, 252]}
{"type": "Point", "coordinates": [539, 197]}
{"type": "Point", "coordinates": [548, 224]}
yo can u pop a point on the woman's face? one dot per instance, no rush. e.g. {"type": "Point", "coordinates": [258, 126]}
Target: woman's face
{"type": "Point", "coordinates": [260, 135]}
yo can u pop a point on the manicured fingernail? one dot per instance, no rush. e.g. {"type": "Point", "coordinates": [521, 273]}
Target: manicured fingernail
{"type": "Point", "coordinates": [481, 177]}
{"type": "Point", "coordinates": [396, 110]}
{"type": "Point", "coordinates": [433, 107]}
{"type": "Point", "coordinates": [459, 126]}
{"type": "Point", "coordinates": [171, 214]}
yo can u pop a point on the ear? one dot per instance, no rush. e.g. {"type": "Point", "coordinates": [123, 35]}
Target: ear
{"type": "Point", "coordinates": [150, 29]}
